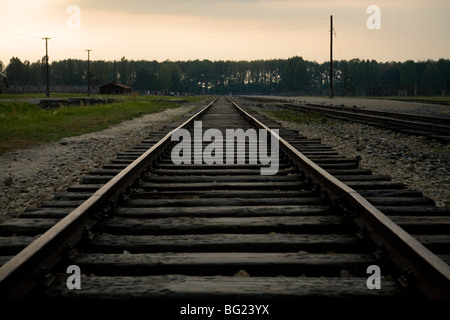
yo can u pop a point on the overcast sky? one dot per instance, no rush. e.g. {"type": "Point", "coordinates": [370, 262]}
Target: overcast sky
{"type": "Point", "coordinates": [224, 29]}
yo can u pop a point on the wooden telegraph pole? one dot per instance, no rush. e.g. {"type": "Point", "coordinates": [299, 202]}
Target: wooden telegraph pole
{"type": "Point", "coordinates": [114, 78]}
{"type": "Point", "coordinates": [88, 76]}
{"type": "Point", "coordinates": [114, 72]}
{"type": "Point", "coordinates": [47, 92]}
{"type": "Point", "coordinates": [331, 56]}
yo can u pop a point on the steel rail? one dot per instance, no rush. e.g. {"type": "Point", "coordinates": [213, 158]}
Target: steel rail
{"type": "Point", "coordinates": [400, 115]}
{"type": "Point", "coordinates": [435, 125]}
{"type": "Point", "coordinates": [383, 118]}
{"type": "Point", "coordinates": [359, 110]}
{"type": "Point", "coordinates": [440, 102]}
{"type": "Point", "coordinates": [431, 274]}
{"type": "Point", "coordinates": [32, 266]}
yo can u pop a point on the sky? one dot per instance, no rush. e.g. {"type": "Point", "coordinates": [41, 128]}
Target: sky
{"type": "Point", "coordinates": [398, 30]}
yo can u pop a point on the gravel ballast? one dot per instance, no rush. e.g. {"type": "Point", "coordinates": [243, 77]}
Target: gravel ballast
{"type": "Point", "coordinates": [419, 163]}
{"type": "Point", "coordinates": [32, 176]}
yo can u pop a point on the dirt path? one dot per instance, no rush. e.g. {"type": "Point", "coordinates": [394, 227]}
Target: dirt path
{"type": "Point", "coordinates": [29, 177]}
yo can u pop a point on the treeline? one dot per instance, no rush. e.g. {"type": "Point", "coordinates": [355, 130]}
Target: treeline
{"type": "Point", "coordinates": [277, 76]}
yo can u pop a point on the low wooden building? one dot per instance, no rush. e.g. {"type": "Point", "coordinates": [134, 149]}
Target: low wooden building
{"type": "Point", "coordinates": [114, 88]}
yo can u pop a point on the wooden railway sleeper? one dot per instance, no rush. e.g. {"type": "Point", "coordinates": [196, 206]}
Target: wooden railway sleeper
{"type": "Point", "coordinates": [339, 204]}
{"type": "Point", "coordinates": [45, 278]}
{"type": "Point", "coordinates": [69, 252]}
{"type": "Point", "coordinates": [407, 278]}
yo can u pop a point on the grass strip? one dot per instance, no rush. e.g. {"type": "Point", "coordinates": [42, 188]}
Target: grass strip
{"type": "Point", "coordinates": [24, 125]}
{"type": "Point", "coordinates": [298, 116]}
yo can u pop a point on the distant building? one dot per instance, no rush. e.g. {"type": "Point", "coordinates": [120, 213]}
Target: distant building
{"type": "Point", "coordinates": [114, 88]}
{"type": "Point", "coordinates": [3, 83]}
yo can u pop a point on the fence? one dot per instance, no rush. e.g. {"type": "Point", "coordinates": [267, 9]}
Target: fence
{"type": "Point", "coordinates": [389, 90]}
{"type": "Point", "coordinates": [29, 88]}
{"type": "Point", "coordinates": [421, 89]}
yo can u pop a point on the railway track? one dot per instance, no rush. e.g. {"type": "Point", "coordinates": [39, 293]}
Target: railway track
{"type": "Point", "coordinates": [433, 127]}
{"type": "Point", "coordinates": [439, 102]}
{"type": "Point", "coordinates": [144, 228]}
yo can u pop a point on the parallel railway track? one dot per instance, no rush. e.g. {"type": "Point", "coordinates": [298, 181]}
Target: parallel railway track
{"type": "Point", "coordinates": [144, 228]}
{"type": "Point", "coordinates": [440, 102]}
{"type": "Point", "coordinates": [432, 127]}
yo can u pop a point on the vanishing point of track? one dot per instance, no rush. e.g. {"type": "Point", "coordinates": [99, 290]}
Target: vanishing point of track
{"type": "Point", "coordinates": [144, 228]}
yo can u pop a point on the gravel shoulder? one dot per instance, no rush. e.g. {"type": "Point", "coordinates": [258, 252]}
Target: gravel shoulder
{"type": "Point", "coordinates": [420, 108]}
{"type": "Point", "coordinates": [32, 176]}
{"type": "Point", "coordinates": [419, 163]}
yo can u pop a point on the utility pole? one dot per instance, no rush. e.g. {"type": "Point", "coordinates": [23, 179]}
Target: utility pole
{"type": "Point", "coordinates": [114, 78]}
{"type": "Point", "coordinates": [331, 56]}
{"type": "Point", "coordinates": [114, 74]}
{"type": "Point", "coordinates": [88, 75]}
{"type": "Point", "coordinates": [130, 77]}
{"type": "Point", "coordinates": [47, 93]}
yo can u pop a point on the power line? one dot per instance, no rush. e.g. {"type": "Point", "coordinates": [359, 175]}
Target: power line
{"type": "Point", "coordinates": [215, 34]}
{"type": "Point", "coordinates": [66, 47]}
{"type": "Point", "coordinates": [20, 34]}
{"type": "Point", "coordinates": [337, 43]}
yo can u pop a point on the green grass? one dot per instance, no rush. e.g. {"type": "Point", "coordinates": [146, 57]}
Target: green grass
{"type": "Point", "coordinates": [299, 117]}
{"type": "Point", "coordinates": [24, 125]}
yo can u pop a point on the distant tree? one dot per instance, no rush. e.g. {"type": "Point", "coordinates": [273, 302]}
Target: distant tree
{"type": "Point", "coordinates": [390, 73]}
{"type": "Point", "coordinates": [354, 77]}
{"type": "Point", "coordinates": [143, 80]}
{"type": "Point", "coordinates": [274, 72]}
{"type": "Point", "coordinates": [101, 72]}
{"type": "Point", "coordinates": [38, 73]}
{"type": "Point", "coordinates": [223, 75]}
{"type": "Point", "coordinates": [145, 75]}
{"type": "Point", "coordinates": [356, 74]}
{"type": "Point", "coordinates": [199, 75]}
{"type": "Point", "coordinates": [318, 77]}
{"type": "Point", "coordinates": [165, 77]}
{"type": "Point", "coordinates": [300, 77]}
{"type": "Point", "coordinates": [124, 71]}
{"type": "Point", "coordinates": [288, 73]}
{"type": "Point", "coordinates": [430, 79]}
{"type": "Point", "coordinates": [372, 68]}
{"type": "Point", "coordinates": [431, 73]}
{"type": "Point", "coordinates": [444, 71]}
{"type": "Point", "coordinates": [70, 72]}
{"type": "Point", "coordinates": [169, 76]}
{"type": "Point", "coordinates": [408, 73]}
{"type": "Point", "coordinates": [16, 71]}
